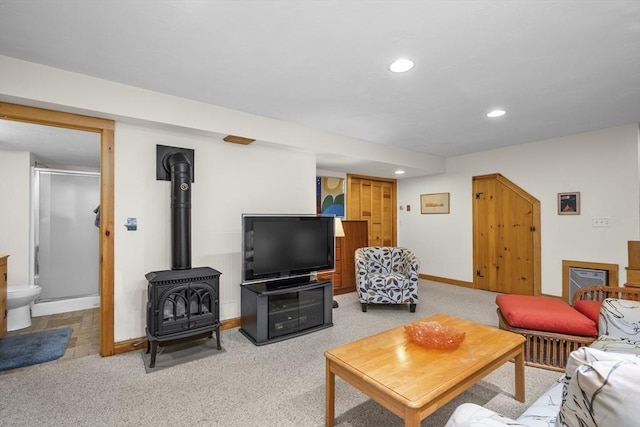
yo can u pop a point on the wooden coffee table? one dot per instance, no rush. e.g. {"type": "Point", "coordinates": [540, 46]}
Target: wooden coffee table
{"type": "Point", "coordinates": [412, 381]}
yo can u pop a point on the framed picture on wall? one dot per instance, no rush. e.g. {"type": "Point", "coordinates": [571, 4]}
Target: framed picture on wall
{"type": "Point", "coordinates": [569, 203]}
{"type": "Point", "coordinates": [330, 196]}
{"type": "Point", "coordinates": [435, 203]}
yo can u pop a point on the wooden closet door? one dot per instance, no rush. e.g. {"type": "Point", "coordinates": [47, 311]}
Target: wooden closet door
{"type": "Point", "coordinates": [506, 237]}
{"type": "Point", "coordinates": [374, 200]}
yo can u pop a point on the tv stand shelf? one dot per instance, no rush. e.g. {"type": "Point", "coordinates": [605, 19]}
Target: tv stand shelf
{"type": "Point", "coordinates": [271, 313]}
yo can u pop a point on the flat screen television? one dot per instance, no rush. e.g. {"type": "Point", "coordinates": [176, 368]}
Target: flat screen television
{"type": "Point", "coordinates": [278, 247]}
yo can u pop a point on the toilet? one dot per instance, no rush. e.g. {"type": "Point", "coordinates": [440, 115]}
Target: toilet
{"type": "Point", "coordinates": [19, 299]}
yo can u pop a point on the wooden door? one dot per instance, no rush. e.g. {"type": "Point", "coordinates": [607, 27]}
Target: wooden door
{"type": "Point", "coordinates": [506, 237]}
{"type": "Point", "coordinates": [374, 200]}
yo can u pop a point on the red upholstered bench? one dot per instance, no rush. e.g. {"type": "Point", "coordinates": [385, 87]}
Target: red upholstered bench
{"type": "Point", "coordinates": [552, 328]}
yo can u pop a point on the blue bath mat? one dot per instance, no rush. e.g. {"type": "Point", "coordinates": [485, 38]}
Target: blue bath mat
{"type": "Point", "coordinates": [19, 351]}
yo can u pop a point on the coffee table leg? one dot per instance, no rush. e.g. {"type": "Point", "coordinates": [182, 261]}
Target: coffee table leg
{"type": "Point", "coordinates": [330, 395]}
{"type": "Point", "coordinates": [411, 418]}
{"type": "Point", "coordinates": [519, 367]}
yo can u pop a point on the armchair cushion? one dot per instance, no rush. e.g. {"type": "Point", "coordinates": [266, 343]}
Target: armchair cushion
{"type": "Point", "coordinates": [595, 393]}
{"type": "Point", "coordinates": [542, 413]}
{"type": "Point", "coordinates": [589, 355]}
{"type": "Point", "coordinates": [381, 281]}
{"type": "Point", "coordinates": [597, 383]}
{"type": "Point", "coordinates": [620, 318]}
{"type": "Point", "coordinates": [472, 415]}
{"type": "Point", "coordinates": [589, 308]}
{"type": "Point", "coordinates": [616, 344]}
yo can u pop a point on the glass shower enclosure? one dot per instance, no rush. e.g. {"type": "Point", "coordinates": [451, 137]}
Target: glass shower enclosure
{"type": "Point", "coordinates": [66, 240]}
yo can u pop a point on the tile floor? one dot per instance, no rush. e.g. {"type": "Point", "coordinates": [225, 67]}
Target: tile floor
{"type": "Point", "coordinates": [85, 339]}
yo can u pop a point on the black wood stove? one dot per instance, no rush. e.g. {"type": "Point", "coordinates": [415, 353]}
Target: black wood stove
{"type": "Point", "coordinates": [184, 302]}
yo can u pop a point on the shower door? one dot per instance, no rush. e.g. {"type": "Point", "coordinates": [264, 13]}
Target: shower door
{"type": "Point", "coordinates": [66, 235]}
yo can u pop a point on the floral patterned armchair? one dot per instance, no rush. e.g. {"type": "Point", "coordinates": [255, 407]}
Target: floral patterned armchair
{"type": "Point", "coordinates": [387, 275]}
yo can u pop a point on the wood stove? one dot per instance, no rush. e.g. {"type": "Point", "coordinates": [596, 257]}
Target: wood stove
{"type": "Point", "coordinates": [183, 303]}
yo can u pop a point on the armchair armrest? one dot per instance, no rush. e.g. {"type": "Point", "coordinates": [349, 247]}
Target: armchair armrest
{"type": "Point", "coordinates": [411, 264]}
{"type": "Point", "coordinates": [361, 266]}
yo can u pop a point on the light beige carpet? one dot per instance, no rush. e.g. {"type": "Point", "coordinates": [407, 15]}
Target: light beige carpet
{"type": "Point", "coordinates": [280, 384]}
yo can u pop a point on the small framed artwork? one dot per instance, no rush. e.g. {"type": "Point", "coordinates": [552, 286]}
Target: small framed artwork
{"type": "Point", "coordinates": [435, 203]}
{"type": "Point", "coordinates": [569, 203]}
{"type": "Point", "coordinates": [330, 196]}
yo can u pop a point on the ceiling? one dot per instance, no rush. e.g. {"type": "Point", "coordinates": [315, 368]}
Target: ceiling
{"type": "Point", "coordinates": [52, 146]}
{"type": "Point", "coordinates": [557, 67]}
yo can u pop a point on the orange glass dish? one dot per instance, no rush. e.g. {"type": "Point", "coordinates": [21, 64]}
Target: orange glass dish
{"type": "Point", "coordinates": [434, 335]}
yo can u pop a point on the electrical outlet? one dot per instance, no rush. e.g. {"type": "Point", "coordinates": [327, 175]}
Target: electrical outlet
{"type": "Point", "coordinates": [601, 222]}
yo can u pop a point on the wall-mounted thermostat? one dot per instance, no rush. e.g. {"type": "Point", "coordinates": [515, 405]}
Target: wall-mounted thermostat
{"type": "Point", "coordinates": [131, 224]}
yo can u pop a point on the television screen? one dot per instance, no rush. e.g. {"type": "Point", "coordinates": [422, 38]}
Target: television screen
{"type": "Point", "coordinates": [283, 246]}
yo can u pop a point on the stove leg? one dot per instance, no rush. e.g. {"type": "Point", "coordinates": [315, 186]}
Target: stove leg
{"type": "Point", "coordinates": [154, 348]}
{"type": "Point", "coordinates": [218, 338]}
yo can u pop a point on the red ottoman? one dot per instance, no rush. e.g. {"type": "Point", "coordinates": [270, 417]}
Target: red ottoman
{"type": "Point", "coordinates": [552, 328]}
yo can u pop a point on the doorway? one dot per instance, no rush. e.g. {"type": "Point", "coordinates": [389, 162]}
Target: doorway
{"type": "Point", "coordinates": [106, 130]}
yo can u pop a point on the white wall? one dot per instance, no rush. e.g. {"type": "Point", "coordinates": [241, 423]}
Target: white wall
{"type": "Point", "coordinates": [229, 180]}
{"type": "Point", "coordinates": [15, 188]}
{"type": "Point", "coordinates": [602, 166]}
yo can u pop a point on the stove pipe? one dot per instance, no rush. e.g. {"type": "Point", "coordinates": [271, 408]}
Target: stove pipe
{"type": "Point", "coordinates": [181, 172]}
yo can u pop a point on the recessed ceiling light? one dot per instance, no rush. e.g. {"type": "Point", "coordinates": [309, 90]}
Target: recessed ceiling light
{"type": "Point", "coordinates": [399, 172]}
{"type": "Point", "coordinates": [496, 113]}
{"type": "Point", "coordinates": [401, 65]}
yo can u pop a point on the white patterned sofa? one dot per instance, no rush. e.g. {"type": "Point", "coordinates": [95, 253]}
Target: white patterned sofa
{"type": "Point", "coordinates": [387, 275]}
{"type": "Point", "coordinates": [600, 387]}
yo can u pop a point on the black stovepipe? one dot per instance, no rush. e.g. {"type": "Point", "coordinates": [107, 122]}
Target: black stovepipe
{"type": "Point", "coordinates": [181, 173]}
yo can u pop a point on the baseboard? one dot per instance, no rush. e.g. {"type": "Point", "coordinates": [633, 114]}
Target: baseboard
{"type": "Point", "coordinates": [130, 345]}
{"type": "Point", "coordinates": [446, 280]}
{"type": "Point", "coordinates": [230, 323]}
{"type": "Point", "coordinates": [463, 283]}
{"type": "Point", "coordinates": [141, 343]}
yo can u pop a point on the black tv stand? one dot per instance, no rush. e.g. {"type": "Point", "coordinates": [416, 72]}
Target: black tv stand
{"type": "Point", "coordinates": [275, 312]}
{"type": "Point", "coordinates": [288, 282]}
